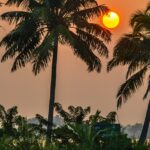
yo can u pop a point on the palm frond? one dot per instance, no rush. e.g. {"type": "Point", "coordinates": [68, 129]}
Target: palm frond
{"type": "Point", "coordinates": [135, 17]}
{"type": "Point", "coordinates": [132, 50]}
{"type": "Point", "coordinates": [3, 113]}
{"type": "Point", "coordinates": [87, 110]}
{"type": "Point", "coordinates": [148, 89]}
{"type": "Point", "coordinates": [115, 62]}
{"type": "Point", "coordinates": [130, 86]}
{"type": "Point", "coordinates": [111, 117]}
{"type": "Point", "coordinates": [93, 28]}
{"type": "Point", "coordinates": [91, 12]}
{"type": "Point", "coordinates": [127, 46]}
{"type": "Point", "coordinates": [93, 42]}
{"type": "Point", "coordinates": [15, 16]}
{"type": "Point", "coordinates": [21, 35]}
{"type": "Point", "coordinates": [12, 111]}
{"type": "Point", "coordinates": [59, 109]}
{"type": "Point", "coordinates": [64, 33]}
{"type": "Point", "coordinates": [126, 49]}
{"type": "Point", "coordinates": [17, 2]}
{"type": "Point", "coordinates": [25, 55]}
{"type": "Point", "coordinates": [135, 65]}
{"type": "Point", "coordinates": [21, 40]}
{"type": "Point", "coordinates": [76, 5]}
{"type": "Point", "coordinates": [82, 50]}
{"type": "Point", "coordinates": [25, 3]}
{"type": "Point", "coordinates": [147, 8]}
{"type": "Point", "coordinates": [71, 109]}
{"type": "Point", "coordinates": [140, 21]}
{"type": "Point", "coordinates": [43, 54]}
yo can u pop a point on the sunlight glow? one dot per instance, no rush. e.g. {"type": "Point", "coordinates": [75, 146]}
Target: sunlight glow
{"type": "Point", "coordinates": [111, 20]}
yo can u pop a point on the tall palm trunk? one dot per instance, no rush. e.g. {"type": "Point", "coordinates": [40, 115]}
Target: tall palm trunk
{"type": "Point", "coordinates": [52, 88]}
{"type": "Point", "coordinates": [145, 126]}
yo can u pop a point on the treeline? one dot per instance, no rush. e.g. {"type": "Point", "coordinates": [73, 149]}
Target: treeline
{"type": "Point", "coordinates": [78, 132]}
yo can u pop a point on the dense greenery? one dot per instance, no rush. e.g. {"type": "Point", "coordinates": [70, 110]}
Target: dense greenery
{"type": "Point", "coordinates": [77, 133]}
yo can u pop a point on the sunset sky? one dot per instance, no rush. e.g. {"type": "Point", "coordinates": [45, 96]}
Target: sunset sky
{"type": "Point", "coordinates": [75, 85]}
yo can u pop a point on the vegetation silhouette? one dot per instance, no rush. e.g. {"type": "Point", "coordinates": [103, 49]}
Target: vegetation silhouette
{"type": "Point", "coordinates": [73, 135]}
{"type": "Point", "coordinates": [43, 25]}
{"type": "Point", "coordinates": [133, 50]}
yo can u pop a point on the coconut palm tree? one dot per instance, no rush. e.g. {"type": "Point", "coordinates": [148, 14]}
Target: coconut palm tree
{"type": "Point", "coordinates": [134, 50]}
{"type": "Point", "coordinates": [42, 25]}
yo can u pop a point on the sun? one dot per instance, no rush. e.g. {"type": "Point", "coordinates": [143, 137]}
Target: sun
{"type": "Point", "coordinates": [111, 20]}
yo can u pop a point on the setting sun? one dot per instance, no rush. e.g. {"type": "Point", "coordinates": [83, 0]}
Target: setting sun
{"type": "Point", "coordinates": [111, 20]}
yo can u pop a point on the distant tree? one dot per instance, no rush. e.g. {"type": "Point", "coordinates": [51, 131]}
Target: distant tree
{"type": "Point", "coordinates": [8, 120]}
{"type": "Point", "coordinates": [42, 124]}
{"type": "Point", "coordinates": [75, 114]}
{"type": "Point", "coordinates": [79, 127]}
{"type": "Point", "coordinates": [97, 117]}
{"type": "Point", "coordinates": [134, 50]}
{"type": "Point", "coordinates": [45, 24]}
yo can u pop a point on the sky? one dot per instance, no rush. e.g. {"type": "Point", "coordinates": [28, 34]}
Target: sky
{"type": "Point", "coordinates": [75, 85]}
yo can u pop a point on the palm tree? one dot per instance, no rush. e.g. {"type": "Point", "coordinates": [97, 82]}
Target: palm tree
{"type": "Point", "coordinates": [134, 50]}
{"type": "Point", "coordinates": [45, 24]}
{"type": "Point", "coordinates": [75, 114]}
{"type": "Point", "coordinates": [8, 119]}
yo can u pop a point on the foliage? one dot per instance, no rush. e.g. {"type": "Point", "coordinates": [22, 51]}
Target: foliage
{"type": "Point", "coordinates": [72, 136]}
{"type": "Point", "coordinates": [75, 114]}
{"type": "Point", "coordinates": [133, 50]}
{"type": "Point", "coordinates": [68, 19]}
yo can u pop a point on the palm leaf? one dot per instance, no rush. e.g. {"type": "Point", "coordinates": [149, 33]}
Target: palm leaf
{"type": "Point", "coordinates": [128, 49]}
{"type": "Point", "coordinates": [25, 3]}
{"type": "Point", "coordinates": [140, 21]}
{"type": "Point", "coordinates": [11, 114]}
{"type": "Point", "coordinates": [66, 116]}
{"type": "Point", "coordinates": [148, 8]}
{"type": "Point", "coordinates": [93, 28]}
{"type": "Point", "coordinates": [91, 12]}
{"type": "Point", "coordinates": [76, 5]}
{"type": "Point", "coordinates": [135, 65]}
{"type": "Point", "coordinates": [130, 86]}
{"type": "Point", "coordinates": [111, 117]}
{"type": "Point", "coordinates": [21, 35]}
{"type": "Point", "coordinates": [113, 63]}
{"type": "Point", "coordinates": [71, 109]}
{"type": "Point", "coordinates": [3, 113]}
{"type": "Point", "coordinates": [22, 39]}
{"type": "Point", "coordinates": [82, 50]}
{"type": "Point", "coordinates": [43, 54]}
{"type": "Point", "coordinates": [24, 56]}
{"type": "Point", "coordinates": [15, 16]}
{"type": "Point", "coordinates": [148, 89]}
{"type": "Point", "coordinates": [17, 2]}
{"type": "Point", "coordinates": [93, 42]}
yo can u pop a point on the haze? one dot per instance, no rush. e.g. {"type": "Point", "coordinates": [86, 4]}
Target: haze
{"type": "Point", "coordinates": [75, 85]}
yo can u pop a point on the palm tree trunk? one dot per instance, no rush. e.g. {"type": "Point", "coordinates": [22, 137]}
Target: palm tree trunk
{"type": "Point", "coordinates": [52, 88]}
{"type": "Point", "coordinates": [145, 126]}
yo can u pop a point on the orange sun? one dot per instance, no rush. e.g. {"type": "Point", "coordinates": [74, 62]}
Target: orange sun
{"type": "Point", "coordinates": [111, 20]}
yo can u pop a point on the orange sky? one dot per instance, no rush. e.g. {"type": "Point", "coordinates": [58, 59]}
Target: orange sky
{"type": "Point", "coordinates": [75, 86]}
